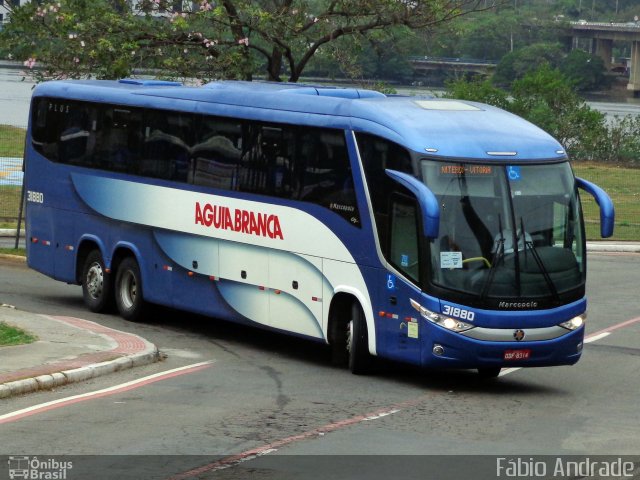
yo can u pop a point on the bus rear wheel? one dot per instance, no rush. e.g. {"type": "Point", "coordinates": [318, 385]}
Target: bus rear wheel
{"type": "Point", "coordinates": [128, 291]}
{"type": "Point", "coordinates": [96, 283]}
{"type": "Point", "coordinates": [358, 342]}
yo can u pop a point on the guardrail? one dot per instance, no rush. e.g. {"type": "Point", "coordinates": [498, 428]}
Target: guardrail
{"type": "Point", "coordinates": [608, 25]}
{"type": "Point", "coordinates": [453, 60]}
{"type": "Point", "coordinates": [10, 188]}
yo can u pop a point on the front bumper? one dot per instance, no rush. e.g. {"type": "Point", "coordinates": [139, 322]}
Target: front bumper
{"type": "Point", "coordinates": [462, 351]}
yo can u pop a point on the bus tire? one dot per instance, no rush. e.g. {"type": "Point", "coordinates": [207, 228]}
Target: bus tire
{"type": "Point", "coordinates": [96, 283]}
{"type": "Point", "coordinates": [128, 290]}
{"type": "Point", "coordinates": [358, 342]}
{"type": "Point", "coordinates": [489, 372]}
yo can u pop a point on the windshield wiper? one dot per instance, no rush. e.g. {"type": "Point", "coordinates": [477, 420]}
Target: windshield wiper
{"type": "Point", "coordinates": [536, 256]}
{"type": "Point", "coordinates": [497, 258]}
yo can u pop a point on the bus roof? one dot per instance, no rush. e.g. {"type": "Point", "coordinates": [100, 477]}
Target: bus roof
{"type": "Point", "coordinates": [430, 126]}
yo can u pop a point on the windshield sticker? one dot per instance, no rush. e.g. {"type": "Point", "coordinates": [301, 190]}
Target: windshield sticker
{"type": "Point", "coordinates": [450, 259]}
{"type": "Point", "coordinates": [404, 260]}
{"type": "Point", "coordinates": [514, 173]}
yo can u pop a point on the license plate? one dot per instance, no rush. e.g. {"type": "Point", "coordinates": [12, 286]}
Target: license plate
{"type": "Point", "coordinates": [517, 355]}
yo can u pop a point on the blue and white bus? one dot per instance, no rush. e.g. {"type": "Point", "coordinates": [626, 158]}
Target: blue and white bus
{"type": "Point", "coordinates": [441, 233]}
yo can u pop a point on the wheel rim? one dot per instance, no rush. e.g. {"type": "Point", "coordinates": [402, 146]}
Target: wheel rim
{"type": "Point", "coordinates": [128, 289]}
{"type": "Point", "coordinates": [349, 336]}
{"type": "Point", "coordinates": [95, 280]}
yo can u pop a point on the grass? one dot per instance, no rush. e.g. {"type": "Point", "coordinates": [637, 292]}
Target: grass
{"type": "Point", "coordinates": [623, 186]}
{"type": "Point", "coordinates": [21, 252]}
{"type": "Point", "coordinates": [10, 225]}
{"type": "Point", "coordinates": [11, 141]}
{"type": "Point", "coordinates": [10, 335]}
{"type": "Point", "coordinates": [9, 202]}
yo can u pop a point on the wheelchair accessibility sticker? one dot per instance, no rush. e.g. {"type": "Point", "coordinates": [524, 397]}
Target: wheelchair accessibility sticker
{"type": "Point", "coordinates": [391, 282]}
{"type": "Point", "coordinates": [513, 173]}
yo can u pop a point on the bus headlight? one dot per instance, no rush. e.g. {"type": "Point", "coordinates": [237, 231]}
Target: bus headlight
{"type": "Point", "coordinates": [575, 323]}
{"type": "Point", "coordinates": [449, 323]}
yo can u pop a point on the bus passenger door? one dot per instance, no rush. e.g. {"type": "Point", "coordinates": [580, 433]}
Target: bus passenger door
{"type": "Point", "coordinates": [295, 296]}
{"type": "Point", "coordinates": [400, 321]}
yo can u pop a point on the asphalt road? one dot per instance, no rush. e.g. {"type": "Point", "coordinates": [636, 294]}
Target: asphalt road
{"type": "Point", "coordinates": [272, 407]}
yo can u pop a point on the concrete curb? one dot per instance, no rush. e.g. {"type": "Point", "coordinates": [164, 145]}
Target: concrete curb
{"type": "Point", "coordinates": [58, 379]}
{"type": "Point", "coordinates": [14, 258]}
{"type": "Point", "coordinates": [10, 232]}
{"type": "Point", "coordinates": [121, 361]}
{"type": "Point", "coordinates": [631, 247]}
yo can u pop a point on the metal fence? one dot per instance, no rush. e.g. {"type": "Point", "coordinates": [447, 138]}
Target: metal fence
{"type": "Point", "coordinates": [11, 150]}
{"type": "Point", "coordinates": [622, 184]}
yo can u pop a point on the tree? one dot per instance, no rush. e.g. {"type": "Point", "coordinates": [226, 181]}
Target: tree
{"type": "Point", "coordinates": [107, 38]}
{"type": "Point", "coordinates": [478, 90]}
{"type": "Point", "coordinates": [518, 63]}
{"type": "Point", "coordinates": [547, 98]}
{"type": "Point", "coordinates": [382, 55]}
{"type": "Point", "coordinates": [489, 37]}
{"type": "Point", "coordinates": [586, 71]}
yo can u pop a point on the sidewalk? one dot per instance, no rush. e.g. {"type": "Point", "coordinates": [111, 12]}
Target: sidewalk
{"type": "Point", "coordinates": [67, 350]}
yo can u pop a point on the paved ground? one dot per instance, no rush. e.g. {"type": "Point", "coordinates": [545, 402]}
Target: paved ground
{"type": "Point", "coordinates": [67, 350]}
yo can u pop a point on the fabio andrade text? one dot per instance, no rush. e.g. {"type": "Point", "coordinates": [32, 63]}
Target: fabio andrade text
{"type": "Point", "coordinates": [564, 467]}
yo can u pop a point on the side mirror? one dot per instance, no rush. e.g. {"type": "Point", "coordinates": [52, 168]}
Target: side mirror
{"type": "Point", "coordinates": [607, 211]}
{"type": "Point", "coordinates": [426, 199]}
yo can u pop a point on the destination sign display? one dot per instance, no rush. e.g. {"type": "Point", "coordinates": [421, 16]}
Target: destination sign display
{"type": "Point", "coordinates": [469, 170]}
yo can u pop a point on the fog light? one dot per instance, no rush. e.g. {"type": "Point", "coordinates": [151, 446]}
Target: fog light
{"type": "Point", "coordinates": [438, 350]}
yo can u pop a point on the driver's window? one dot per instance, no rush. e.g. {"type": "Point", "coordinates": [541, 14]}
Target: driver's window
{"type": "Point", "coordinates": [403, 238]}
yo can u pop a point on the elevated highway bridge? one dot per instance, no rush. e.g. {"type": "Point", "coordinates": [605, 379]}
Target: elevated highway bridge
{"type": "Point", "coordinates": [425, 64]}
{"type": "Point", "coordinates": [602, 36]}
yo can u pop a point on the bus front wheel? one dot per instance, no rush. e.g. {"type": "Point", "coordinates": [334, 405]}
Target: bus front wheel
{"type": "Point", "coordinates": [96, 283]}
{"type": "Point", "coordinates": [358, 342]}
{"type": "Point", "coordinates": [128, 286]}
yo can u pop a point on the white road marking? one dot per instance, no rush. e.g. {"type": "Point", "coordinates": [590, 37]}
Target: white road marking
{"type": "Point", "coordinates": [156, 377]}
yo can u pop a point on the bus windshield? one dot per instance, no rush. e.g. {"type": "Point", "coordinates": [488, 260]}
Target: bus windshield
{"type": "Point", "coordinates": [506, 232]}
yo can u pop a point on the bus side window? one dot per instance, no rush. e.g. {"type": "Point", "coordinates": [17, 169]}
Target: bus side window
{"type": "Point", "coordinates": [253, 165]}
{"type": "Point", "coordinates": [119, 138]}
{"type": "Point", "coordinates": [277, 146]}
{"type": "Point", "coordinates": [166, 145]}
{"type": "Point", "coordinates": [266, 166]}
{"type": "Point", "coordinates": [327, 179]}
{"type": "Point", "coordinates": [378, 154]}
{"type": "Point", "coordinates": [45, 129]}
{"type": "Point", "coordinates": [77, 136]}
{"type": "Point", "coordinates": [215, 157]}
